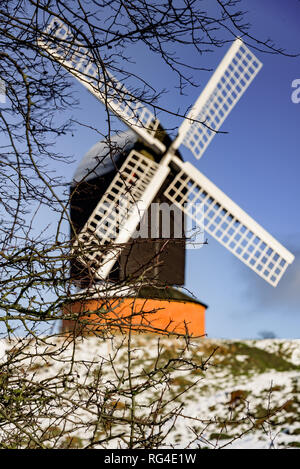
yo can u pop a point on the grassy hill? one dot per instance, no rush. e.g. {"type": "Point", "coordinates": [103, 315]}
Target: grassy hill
{"type": "Point", "coordinates": [212, 394]}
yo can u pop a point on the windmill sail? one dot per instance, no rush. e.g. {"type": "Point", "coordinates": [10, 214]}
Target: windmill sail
{"type": "Point", "coordinates": [71, 54]}
{"type": "Point", "coordinates": [228, 223]}
{"type": "Point", "coordinates": [119, 212]}
{"type": "Point", "coordinates": [228, 83]}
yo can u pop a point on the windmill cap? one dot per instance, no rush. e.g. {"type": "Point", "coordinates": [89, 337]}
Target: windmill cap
{"type": "Point", "coordinates": [102, 157]}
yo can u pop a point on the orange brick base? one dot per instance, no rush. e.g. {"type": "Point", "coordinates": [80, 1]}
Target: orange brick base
{"type": "Point", "coordinates": [143, 314]}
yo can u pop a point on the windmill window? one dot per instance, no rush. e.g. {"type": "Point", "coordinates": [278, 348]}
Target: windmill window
{"type": "Point", "coordinates": [230, 231]}
{"type": "Point", "coordinates": [238, 55]}
{"type": "Point", "coordinates": [219, 233]}
{"type": "Point", "coordinates": [225, 239]}
{"type": "Point", "coordinates": [232, 245]}
{"type": "Point", "coordinates": [246, 256]}
{"type": "Point", "coordinates": [271, 265]}
{"type": "Point", "coordinates": [102, 231]}
{"type": "Point", "coordinates": [257, 254]}
{"type": "Point", "coordinates": [234, 61]}
{"type": "Point", "coordinates": [259, 267]}
{"type": "Point", "coordinates": [224, 225]}
{"type": "Point", "coordinates": [245, 63]}
{"type": "Point", "coordinates": [212, 227]}
{"type": "Point", "coordinates": [211, 214]}
{"type": "Point", "coordinates": [244, 243]}
{"type": "Point", "coordinates": [255, 64]}
{"type": "Point", "coordinates": [263, 246]}
{"type": "Point", "coordinates": [243, 83]}
{"type": "Point", "coordinates": [252, 262]}
{"type": "Point", "coordinates": [250, 248]}
{"type": "Point", "coordinates": [237, 237]}
{"type": "Point", "coordinates": [277, 271]}
{"type": "Point", "coordinates": [276, 257]}
{"type": "Point", "coordinates": [269, 251]}
{"type": "Point", "coordinates": [238, 250]}
{"type": "Point", "coordinates": [282, 263]}
{"type": "Point", "coordinates": [264, 260]}
{"type": "Point", "coordinates": [217, 220]}
{"type": "Point", "coordinates": [237, 75]}
{"type": "Point", "coordinates": [273, 278]}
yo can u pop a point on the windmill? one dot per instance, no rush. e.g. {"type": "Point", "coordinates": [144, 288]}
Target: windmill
{"type": "Point", "coordinates": [188, 189]}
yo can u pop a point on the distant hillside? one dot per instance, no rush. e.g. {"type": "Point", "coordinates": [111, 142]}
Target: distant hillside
{"type": "Point", "coordinates": [246, 396]}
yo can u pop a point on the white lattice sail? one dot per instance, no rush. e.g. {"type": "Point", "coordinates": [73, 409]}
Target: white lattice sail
{"type": "Point", "coordinates": [119, 211]}
{"type": "Point", "coordinates": [228, 223]}
{"type": "Point", "coordinates": [228, 83]}
{"type": "Point", "coordinates": [77, 59]}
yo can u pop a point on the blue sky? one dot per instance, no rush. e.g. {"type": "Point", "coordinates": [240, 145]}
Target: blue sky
{"type": "Point", "coordinates": [256, 164]}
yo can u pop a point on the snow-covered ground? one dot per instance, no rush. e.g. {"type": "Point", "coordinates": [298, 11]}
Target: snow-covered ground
{"type": "Point", "coordinates": [247, 397]}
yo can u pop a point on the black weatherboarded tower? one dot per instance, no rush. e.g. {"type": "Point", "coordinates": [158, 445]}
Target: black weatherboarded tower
{"type": "Point", "coordinates": [157, 259]}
